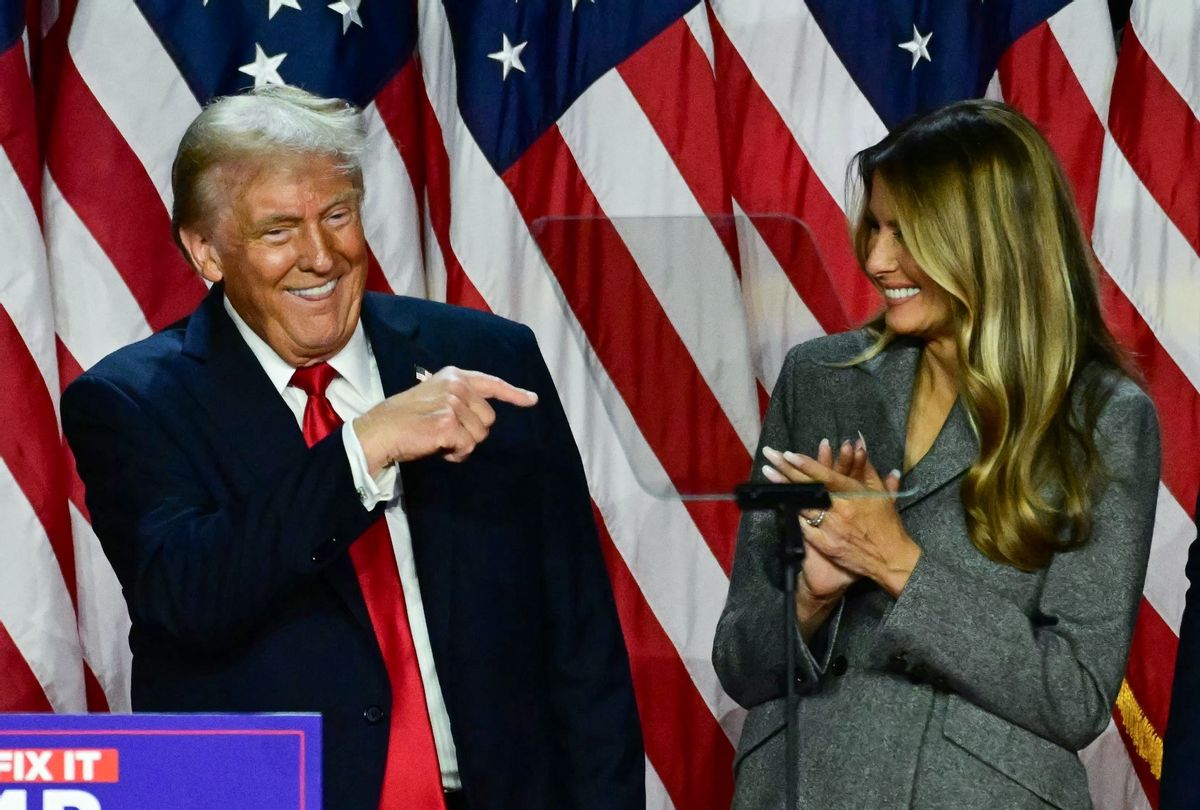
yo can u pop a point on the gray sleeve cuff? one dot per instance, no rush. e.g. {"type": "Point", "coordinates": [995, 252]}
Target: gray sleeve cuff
{"type": "Point", "coordinates": [909, 619]}
{"type": "Point", "coordinates": [813, 658]}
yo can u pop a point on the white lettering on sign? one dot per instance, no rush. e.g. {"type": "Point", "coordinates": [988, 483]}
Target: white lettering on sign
{"type": "Point", "coordinates": [36, 769]}
{"type": "Point", "coordinates": [59, 765]}
{"type": "Point", "coordinates": [87, 761]}
{"type": "Point", "coordinates": [69, 800]}
{"type": "Point", "coordinates": [51, 800]}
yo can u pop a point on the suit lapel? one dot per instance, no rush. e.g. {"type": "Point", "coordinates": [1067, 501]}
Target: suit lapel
{"type": "Point", "coordinates": [953, 452]}
{"type": "Point", "coordinates": [397, 342]}
{"type": "Point", "coordinates": [253, 419]}
{"type": "Point", "coordinates": [893, 371]}
{"type": "Point", "coordinates": [393, 337]}
{"type": "Point", "coordinates": [229, 384]}
{"type": "Point", "coordinates": [955, 447]}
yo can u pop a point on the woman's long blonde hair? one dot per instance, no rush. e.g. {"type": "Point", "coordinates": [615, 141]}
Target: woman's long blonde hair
{"type": "Point", "coordinates": [987, 213]}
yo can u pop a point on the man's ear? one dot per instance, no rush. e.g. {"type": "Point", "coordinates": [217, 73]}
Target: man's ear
{"type": "Point", "coordinates": [203, 254]}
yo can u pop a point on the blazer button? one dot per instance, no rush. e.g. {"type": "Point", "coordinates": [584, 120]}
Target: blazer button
{"type": "Point", "coordinates": [374, 714]}
{"type": "Point", "coordinates": [838, 666]}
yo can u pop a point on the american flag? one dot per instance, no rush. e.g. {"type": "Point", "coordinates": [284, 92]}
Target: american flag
{"type": "Point", "coordinates": [529, 157]}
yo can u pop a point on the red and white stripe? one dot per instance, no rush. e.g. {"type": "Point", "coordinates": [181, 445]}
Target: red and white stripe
{"type": "Point", "coordinates": [668, 591]}
{"type": "Point", "coordinates": [39, 644]}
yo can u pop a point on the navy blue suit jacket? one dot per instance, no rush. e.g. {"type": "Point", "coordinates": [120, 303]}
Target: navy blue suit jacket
{"type": "Point", "coordinates": [1181, 744]}
{"type": "Point", "coordinates": [229, 538]}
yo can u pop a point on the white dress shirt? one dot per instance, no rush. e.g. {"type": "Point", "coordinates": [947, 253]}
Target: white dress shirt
{"type": "Point", "coordinates": [355, 390]}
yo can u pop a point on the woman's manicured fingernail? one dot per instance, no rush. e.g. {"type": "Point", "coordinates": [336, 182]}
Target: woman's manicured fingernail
{"type": "Point", "coordinates": [773, 475]}
{"type": "Point", "coordinates": [796, 459]}
{"type": "Point", "coordinates": [861, 444]}
{"type": "Point", "coordinates": [894, 474]}
{"type": "Point", "coordinates": [824, 444]}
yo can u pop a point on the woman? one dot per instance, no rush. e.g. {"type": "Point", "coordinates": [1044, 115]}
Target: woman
{"type": "Point", "coordinates": [961, 642]}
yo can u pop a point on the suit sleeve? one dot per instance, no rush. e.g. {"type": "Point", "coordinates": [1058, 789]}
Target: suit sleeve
{"type": "Point", "coordinates": [599, 744]}
{"type": "Point", "coordinates": [199, 569]}
{"type": "Point", "coordinates": [1181, 744]}
{"type": "Point", "coordinates": [749, 648]}
{"type": "Point", "coordinates": [1055, 671]}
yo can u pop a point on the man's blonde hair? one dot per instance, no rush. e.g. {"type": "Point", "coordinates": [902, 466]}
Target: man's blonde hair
{"type": "Point", "coordinates": [255, 127]}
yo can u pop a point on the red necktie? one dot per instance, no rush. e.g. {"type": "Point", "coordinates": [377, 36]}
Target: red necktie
{"type": "Point", "coordinates": [412, 777]}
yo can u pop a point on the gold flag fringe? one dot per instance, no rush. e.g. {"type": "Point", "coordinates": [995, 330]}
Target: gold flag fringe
{"type": "Point", "coordinates": [1145, 738]}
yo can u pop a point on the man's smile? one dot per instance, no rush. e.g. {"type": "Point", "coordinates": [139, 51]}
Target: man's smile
{"type": "Point", "coordinates": [315, 293]}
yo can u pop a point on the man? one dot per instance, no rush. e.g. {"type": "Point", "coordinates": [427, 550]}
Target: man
{"type": "Point", "coordinates": [1181, 744]}
{"type": "Point", "coordinates": [303, 518]}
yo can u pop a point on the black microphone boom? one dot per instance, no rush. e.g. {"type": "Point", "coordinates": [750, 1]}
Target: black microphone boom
{"type": "Point", "coordinates": [754, 496]}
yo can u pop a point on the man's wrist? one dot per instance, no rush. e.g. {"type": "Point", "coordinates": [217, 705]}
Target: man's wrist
{"type": "Point", "coordinates": [374, 451]}
{"type": "Point", "coordinates": [374, 484]}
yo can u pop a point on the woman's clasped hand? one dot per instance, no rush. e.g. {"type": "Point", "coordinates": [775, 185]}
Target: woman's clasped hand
{"type": "Point", "coordinates": [856, 536]}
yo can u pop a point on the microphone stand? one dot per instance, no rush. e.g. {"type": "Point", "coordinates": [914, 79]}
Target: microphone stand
{"type": "Point", "coordinates": [786, 501]}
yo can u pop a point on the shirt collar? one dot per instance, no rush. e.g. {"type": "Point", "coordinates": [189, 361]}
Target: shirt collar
{"type": "Point", "coordinates": [352, 363]}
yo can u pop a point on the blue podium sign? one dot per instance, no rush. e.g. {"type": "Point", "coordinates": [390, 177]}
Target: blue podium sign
{"type": "Point", "coordinates": [166, 762]}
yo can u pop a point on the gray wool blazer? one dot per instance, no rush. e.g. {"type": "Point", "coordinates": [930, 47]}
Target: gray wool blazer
{"type": "Point", "coordinates": [978, 685]}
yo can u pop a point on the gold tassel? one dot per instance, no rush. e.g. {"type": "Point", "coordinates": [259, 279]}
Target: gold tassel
{"type": "Point", "coordinates": [1141, 731]}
